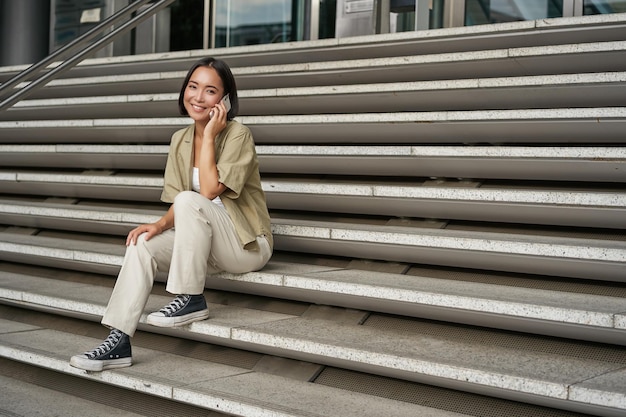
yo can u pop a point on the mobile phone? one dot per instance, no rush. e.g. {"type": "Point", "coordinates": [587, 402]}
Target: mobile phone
{"type": "Point", "coordinates": [226, 101]}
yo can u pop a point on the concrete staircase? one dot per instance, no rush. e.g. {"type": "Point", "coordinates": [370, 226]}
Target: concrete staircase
{"type": "Point", "coordinates": [448, 209]}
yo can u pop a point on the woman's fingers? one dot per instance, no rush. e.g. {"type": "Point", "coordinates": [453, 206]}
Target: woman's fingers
{"type": "Point", "coordinates": [149, 230]}
{"type": "Point", "coordinates": [131, 239]}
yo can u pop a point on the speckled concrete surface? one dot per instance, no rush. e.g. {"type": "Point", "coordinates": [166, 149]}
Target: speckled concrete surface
{"type": "Point", "coordinates": [213, 386]}
{"type": "Point", "coordinates": [17, 401]}
{"type": "Point", "coordinates": [546, 374]}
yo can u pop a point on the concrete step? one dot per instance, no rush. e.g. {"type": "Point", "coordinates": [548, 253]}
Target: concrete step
{"type": "Point", "coordinates": [17, 400]}
{"type": "Point", "coordinates": [565, 309]}
{"type": "Point", "coordinates": [457, 39]}
{"type": "Point", "coordinates": [89, 156]}
{"type": "Point", "coordinates": [538, 33]}
{"type": "Point", "coordinates": [443, 200]}
{"type": "Point", "coordinates": [98, 185]}
{"type": "Point", "coordinates": [473, 247]}
{"type": "Point", "coordinates": [521, 371]}
{"type": "Point", "coordinates": [587, 256]}
{"type": "Point", "coordinates": [526, 33]}
{"type": "Point", "coordinates": [452, 200]}
{"type": "Point", "coordinates": [580, 271]}
{"type": "Point", "coordinates": [573, 90]}
{"type": "Point", "coordinates": [346, 381]}
{"type": "Point", "coordinates": [222, 388]}
{"type": "Point", "coordinates": [536, 126]}
{"type": "Point", "coordinates": [565, 163]}
{"type": "Point", "coordinates": [590, 57]}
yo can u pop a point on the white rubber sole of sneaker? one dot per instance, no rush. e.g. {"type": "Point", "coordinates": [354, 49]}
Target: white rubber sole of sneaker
{"type": "Point", "coordinates": [159, 320]}
{"type": "Point", "coordinates": [83, 362]}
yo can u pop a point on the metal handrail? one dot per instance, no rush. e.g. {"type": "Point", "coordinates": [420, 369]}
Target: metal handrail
{"type": "Point", "coordinates": [72, 46]}
{"type": "Point", "coordinates": [77, 44]}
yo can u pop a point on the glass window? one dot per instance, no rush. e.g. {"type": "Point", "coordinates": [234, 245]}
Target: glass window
{"type": "Point", "coordinates": [252, 22]}
{"type": "Point", "coordinates": [328, 15]}
{"type": "Point", "coordinates": [187, 25]}
{"type": "Point", "coordinates": [402, 16]}
{"type": "Point", "coordinates": [603, 6]}
{"type": "Point", "coordinates": [72, 19]}
{"type": "Point", "coordinates": [479, 12]}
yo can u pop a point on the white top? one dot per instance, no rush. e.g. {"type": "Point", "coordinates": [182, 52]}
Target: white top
{"type": "Point", "coordinates": [195, 184]}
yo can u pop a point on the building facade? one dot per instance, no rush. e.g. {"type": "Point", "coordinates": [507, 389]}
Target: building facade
{"type": "Point", "coordinates": [31, 29]}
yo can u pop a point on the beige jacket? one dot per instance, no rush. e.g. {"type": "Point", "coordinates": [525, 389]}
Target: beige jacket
{"type": "Point", "coordinates": [238, 170]}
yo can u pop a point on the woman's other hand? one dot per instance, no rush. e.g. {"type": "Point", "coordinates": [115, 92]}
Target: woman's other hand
{"type": "Point", "coordinates": [151, 229]}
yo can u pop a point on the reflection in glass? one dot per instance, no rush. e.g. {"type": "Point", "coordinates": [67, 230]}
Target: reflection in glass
{"type": "Point", "coordinates": [186, 28]}
{"type": "Point", "coordinates": [403, 15]}
{"type": "Point", "coordinates": [603, 6]}
{"type": "Point", "coordinates": [328, 15]}
{"type": "Point", "coordinates": [480, 12]}
{"type": "Point", "coordinates": [253, 22]}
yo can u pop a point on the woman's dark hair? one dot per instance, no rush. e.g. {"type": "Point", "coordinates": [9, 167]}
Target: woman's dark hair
{"type": "Point", "coordinates": [228, 81]}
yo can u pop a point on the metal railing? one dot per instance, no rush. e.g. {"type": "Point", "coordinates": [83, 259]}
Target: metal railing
{"type": "Point", "coordinates": [77, 49]}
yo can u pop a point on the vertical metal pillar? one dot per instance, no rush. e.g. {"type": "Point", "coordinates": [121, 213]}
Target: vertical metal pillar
{"type": "Point", "coordinates": [422, 15]}
{"type": "Point", "coordinates": [212, 23]}
{"type": "Point", "coordinates": [568, 8]}
{"type": "Point", "coordinates": [578, 7]}
{"type": "Point", "coordinates": [382, 9]}
{"type": "Point", "coordinates": [206, 25]}
{"type": "Point", "coordinates": [454, 13]}
{"type": "Point", "coordinates": [24, 31]}
{"type": "Point", "coordinates": [314, 20]}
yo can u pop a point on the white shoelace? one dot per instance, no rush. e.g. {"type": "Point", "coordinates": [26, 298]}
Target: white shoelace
{"type": "Point", "coordinates": [108, 344]}
{"type": "Point", "coordinates": [176, 304]}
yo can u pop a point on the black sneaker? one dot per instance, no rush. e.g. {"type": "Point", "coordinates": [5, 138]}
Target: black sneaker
{"type": "Point", "coordinates": [184, 309]}
{"type": "Point", "coordinates": [114, 352]}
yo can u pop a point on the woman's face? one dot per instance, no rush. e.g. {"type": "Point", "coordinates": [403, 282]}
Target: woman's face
{"type": "Point", "coordinates": [203, 91]}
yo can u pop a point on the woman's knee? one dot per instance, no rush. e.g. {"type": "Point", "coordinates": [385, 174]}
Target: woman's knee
{"type": "Point", "coordinates": [150, 246]}
{"type": "Point", "coordinates": [157, 250]}
{"type": "Point", "coordinates": [141, 246]}
{"type": "Point", "coordinates": [185, 198]}
{"type": "Point", "coordinates": [193, 203]}
{"type": "Point", "coordinates": [187, 201]}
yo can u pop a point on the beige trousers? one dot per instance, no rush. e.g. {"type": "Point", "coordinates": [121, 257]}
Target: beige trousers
{"type": "Point", "coordinates": [203, 241]}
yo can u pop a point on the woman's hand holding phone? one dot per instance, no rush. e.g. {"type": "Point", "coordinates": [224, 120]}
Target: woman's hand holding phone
{"type": "Point", "coordinates": [217, 119]}
{"type": "Point", "coordinates": [226, 102]}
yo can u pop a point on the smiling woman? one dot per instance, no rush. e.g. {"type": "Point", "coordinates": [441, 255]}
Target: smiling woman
{"type": "Point", "coordinates": [217, 220]}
